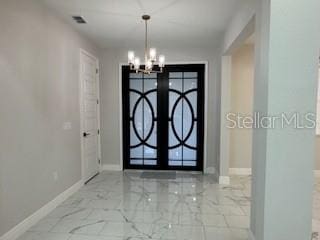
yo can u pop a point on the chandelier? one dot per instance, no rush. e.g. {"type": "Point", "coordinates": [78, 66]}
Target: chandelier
{"type": "Point", "coordinates": [150, 56]}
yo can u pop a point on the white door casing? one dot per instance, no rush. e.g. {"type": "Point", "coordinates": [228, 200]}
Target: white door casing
{"type": "Point", "coordinates": [89, 111]}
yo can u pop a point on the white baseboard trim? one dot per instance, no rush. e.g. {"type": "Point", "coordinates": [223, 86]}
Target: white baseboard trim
{"type": "Point", "coordinates": [251, 236]}
{"type": "Point", "coordinates": [210, 170]}
{"type": "Point", "coordinates": [30, 221]}
{"type": "Point", "coordinates": [111, 167]}
{"type": "Point", "coordinates": [240, 171]}
{"type": "Point", "coordinates": [224, 180]}
{"type": "Point", "coordinates": [248, 171]}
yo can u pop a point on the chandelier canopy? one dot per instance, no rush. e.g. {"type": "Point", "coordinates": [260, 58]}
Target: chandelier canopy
{"type": "Point", "coordinates": [150, 56]}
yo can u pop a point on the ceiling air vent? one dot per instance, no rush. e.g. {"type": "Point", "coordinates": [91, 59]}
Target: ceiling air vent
{"type": "Point", "coordinates": [79, 19]}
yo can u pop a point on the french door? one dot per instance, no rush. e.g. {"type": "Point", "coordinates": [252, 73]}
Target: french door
{"type": "Point", "coordinates": [163, 116]}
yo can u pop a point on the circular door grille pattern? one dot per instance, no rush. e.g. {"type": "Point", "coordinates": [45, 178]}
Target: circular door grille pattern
{"type": "Point", "coordinates": [145, 136]}
{"type": "Point", "coordinates": [143, 122]}
{"type": "Point", "coordinates": [183, 119]}
{"type": "Point", "coordinates": [183, 98]}
{"type": "Point", "coordinates": [163, 118]}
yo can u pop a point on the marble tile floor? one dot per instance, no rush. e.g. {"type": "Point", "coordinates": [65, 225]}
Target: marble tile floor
{"type": "Point", "coordinates": [122, 206]}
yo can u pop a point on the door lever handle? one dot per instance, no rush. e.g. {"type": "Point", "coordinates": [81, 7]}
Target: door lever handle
{"type": "Point", "coordinates": [86, 134]}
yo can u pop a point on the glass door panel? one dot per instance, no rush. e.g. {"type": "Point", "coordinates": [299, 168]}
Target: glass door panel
{"type": "Point", "coordinates": [143, 119]}
{"type": "Point", "coordinates": [183, 103]}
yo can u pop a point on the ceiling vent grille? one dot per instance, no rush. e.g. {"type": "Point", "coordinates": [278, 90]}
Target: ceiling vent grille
{"type": "Point", "coordinates": [79, 19]}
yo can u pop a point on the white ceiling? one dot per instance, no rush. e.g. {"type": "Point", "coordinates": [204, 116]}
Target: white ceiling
{"type": "Point", "coordinates": [174, 23]}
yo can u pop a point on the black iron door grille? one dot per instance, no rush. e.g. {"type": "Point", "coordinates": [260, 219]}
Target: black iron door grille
{"type": "Point", "coordinates": [163, 118]}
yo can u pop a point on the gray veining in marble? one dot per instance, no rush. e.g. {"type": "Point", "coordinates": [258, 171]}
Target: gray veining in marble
{"type": "Point", "coordinates": [123, 206]}
{"type": "Point", "coordinates": [158, 175]}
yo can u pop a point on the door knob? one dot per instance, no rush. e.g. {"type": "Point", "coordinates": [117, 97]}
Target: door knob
{"type": "Point", "coordinates": [86, 134]}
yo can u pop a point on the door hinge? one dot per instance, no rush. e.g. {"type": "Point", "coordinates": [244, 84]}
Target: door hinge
{"type": "Point", "coordinates": [97, 101]}
{"type": "Point", "coordinates": [97, 70]}
{"type": "Point", "coordinates": [99, 161]}
{"type": "Point", "coordinates": [98, 131]}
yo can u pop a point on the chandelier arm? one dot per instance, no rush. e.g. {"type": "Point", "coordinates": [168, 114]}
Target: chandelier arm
{"type": "Point", "coordinates": [149, 71]}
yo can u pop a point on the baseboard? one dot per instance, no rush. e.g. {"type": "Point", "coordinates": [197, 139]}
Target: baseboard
{"type": "Point", "coordinates": [247, 171]}
{"type": "Point", "coordinates": [210, 170]}
{"type": "Point", "coordinates": [251, 236]}
{"type": "Point", "coordinates": [111, 167]}
{"type": "Point", "coordinates": [224, 180]}
{"type": "Point", "coordinates": [30, 221]}
{"type": "Point", "coordinates": [240, 171]}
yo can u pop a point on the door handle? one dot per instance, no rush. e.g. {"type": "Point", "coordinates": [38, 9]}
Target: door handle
{"type": "Point", "coordinates": [86, 134]}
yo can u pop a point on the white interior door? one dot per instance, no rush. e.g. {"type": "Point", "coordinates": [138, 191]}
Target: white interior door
{"type": "Point", "coordinates": [90, 115]}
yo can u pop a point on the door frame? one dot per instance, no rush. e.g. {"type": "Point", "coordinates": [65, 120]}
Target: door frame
{"type": "Point", "coordinates": [81, 102]}
{"type": "Point", "coordinates": [205, 127]}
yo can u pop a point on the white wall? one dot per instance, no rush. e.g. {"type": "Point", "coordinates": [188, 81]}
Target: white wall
{"type": "Point", "coordinates": [110, 106]}
{"type": "Point", "coordinates": [285, 82]}
{"type": "Point", "coordinates": [39, 83]}
{"type": "Point", "coordinates": [241, 102]}
{"type": "Point", "coordinates": [317, 164]}
{"type": "Point", "coordinates": [242, 75]}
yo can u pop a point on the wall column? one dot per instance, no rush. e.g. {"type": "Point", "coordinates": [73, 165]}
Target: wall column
{"type": "Point", "coordinates": [225, 109]}
{"type": "Point", "coordinates": [287, 47]}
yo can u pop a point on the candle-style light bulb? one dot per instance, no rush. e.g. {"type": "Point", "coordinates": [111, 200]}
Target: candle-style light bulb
{"type": "Point", "coordinates": [153, 54]}
{"type": "Point", "coordinates": [136, 63]}
{"type": "Point", "coordinates": [161, 61]}
{"type": "Point", "coordinates": [130, 57]}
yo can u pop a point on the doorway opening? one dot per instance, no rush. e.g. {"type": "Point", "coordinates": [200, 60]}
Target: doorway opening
{"type": "Point", "coordinates": [163, 118]}
{"type": "Point", "coordinates": [241, 108]}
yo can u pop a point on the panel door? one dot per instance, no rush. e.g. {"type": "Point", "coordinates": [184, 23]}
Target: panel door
{"type": "Point", "coordinates": [90, 149]}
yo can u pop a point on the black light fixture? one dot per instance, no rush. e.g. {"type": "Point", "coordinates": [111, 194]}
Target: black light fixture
{"type": "Point", "coordinates": [79, 19]}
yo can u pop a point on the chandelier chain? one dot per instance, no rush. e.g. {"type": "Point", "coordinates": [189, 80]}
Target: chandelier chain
{"type": "Point", "coordinates": [146, 41]}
